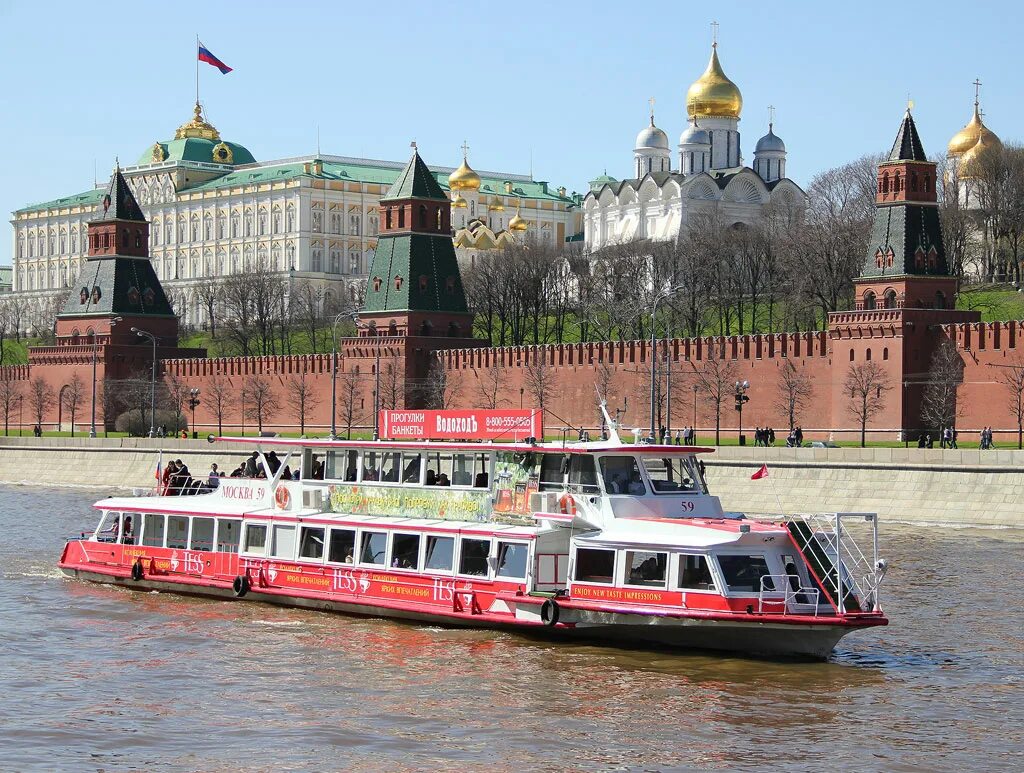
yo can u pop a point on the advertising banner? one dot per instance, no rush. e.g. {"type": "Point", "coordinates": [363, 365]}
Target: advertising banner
{"type": "Point", "coordinates": [461, 425]}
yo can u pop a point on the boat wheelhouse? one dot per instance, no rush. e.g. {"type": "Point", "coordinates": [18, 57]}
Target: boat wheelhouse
{"type": "Point", "coordinates": [603, 540]}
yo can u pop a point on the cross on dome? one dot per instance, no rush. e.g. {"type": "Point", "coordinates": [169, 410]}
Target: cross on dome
{"type": "Point", "coordinates": [714, 34]}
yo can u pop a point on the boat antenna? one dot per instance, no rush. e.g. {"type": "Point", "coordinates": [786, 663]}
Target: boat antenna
{"type": "Point", "coordinates": [613, 435]}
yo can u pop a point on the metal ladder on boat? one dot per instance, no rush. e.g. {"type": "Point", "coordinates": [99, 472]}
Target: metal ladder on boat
{"type": "Point", "coordinates": [828, 542]}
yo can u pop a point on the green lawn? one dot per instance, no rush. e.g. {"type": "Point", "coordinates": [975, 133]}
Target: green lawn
{"type": "Point", "coordinates": [995, 302]}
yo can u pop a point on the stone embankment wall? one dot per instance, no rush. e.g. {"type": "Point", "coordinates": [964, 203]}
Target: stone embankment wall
{"type": "Point", "coordinates": [968, 487]}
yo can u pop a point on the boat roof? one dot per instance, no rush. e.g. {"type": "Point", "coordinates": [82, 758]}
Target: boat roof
{"type": "Point", "coordinates": [599, 446]}
{"type": "Point", "coordinates": [678, 533]}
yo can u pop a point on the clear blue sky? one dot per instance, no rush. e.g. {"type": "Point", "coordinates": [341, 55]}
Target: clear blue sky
{"type": "Point", "coordinates": [84, 82]}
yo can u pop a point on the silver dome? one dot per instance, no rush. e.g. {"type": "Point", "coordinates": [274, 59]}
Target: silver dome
{"type": "Point", "coordinates": [694, 135]}
{"type": "Point", "coordinates": [652, 138]}
{"type": "Point", "coordinates": [770, 142]}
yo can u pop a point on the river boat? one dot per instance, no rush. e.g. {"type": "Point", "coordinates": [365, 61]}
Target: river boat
{"type": "Point", "coordinates": [603, 540]}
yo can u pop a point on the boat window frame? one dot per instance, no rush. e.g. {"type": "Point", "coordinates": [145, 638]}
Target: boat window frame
{"type": "Point", "coordinates": [488, 558]}
{"type": "Point", "coordinates": [272, 553]}
{"type": "Point", "coordinates": [727, 588]}
{"type": "Point", "coordinates": [498, 543]}
{"type": "Point", "coordinates": [192, 530]}
{"type": "Point", "coordinates": [391, 550]}
{"type": "Point", "coordinates": [574, 567]}
{"type": "Point", "coordinates": [639, 467]}
{"type": "Point", "coordinates": [363, 534]}
{"type": "Point", "coordinates": [688, 462]}
{"type": "Point", "coordinates": [145, 531]}
{"type": "Point", "coordinates": [217, 536]}
{"type": "Point", "coordinates": [380, 470]}
{"type": "Point", "coordinates": [626, 567]}
{"type": "Point", "coordinates": [407, 454]}
{"type": "Point", "coordinates": [454, 553]}
{"type": "Point", "coordinates": [243, 546]}
{"type": "Point", "coordinates": [303, 529]}
{"type": "Point", "coordinates": [167, 531]}
{"type": "Point", "coordinates": [675, 569]}
{"type": "Point", "coordinates": [355, 541]}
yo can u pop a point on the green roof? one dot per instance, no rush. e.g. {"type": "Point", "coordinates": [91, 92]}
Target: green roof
{"type": "Point", "coordinates": [428, 270]}
{"type": "Point", "coordinates": [196, 149]}
{"type": "Point", "coordinates": [87, 199]}
{"type": "Point", "coordinates": [415, 182]}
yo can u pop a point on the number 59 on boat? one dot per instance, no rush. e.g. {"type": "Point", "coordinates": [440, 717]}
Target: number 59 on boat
{"type": "Point", "coordinates": [600, 540]}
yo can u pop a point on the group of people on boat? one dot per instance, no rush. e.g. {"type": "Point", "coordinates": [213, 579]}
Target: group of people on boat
{"type": "Point", "coordinates": [252, 467]}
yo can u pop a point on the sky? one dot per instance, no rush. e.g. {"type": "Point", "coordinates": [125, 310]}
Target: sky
{"type": "Point", "coordinates": [563, 86]}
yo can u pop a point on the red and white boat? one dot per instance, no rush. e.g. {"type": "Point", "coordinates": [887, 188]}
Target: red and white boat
{"type": "Point", "coordinates": [600, 540]}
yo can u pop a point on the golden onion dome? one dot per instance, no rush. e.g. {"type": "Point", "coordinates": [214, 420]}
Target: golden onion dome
{"type": "Point", "coordinates": [197, 127]}
{"type": "Point", "coordinates": [458, 202]}
{"type": "Point", "coordinates": [497, 206]}
{"type": "Point", "coordinates": [713, 95]}
{"type": "Point", "coordinates": [464, 178]}
{"type": "Point", "coordinates": [965, 139]}
{"type": "Point", "coordinates": [971, 160]}
{"type": "Point", "coordinates": [518, 222]}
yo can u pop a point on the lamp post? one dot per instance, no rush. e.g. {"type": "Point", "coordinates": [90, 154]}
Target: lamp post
{"type": "Point", "coordinates": [694, 425]}
{"type": "Point", "coordinates": [152, 383]}
{"type": "Point", "coordinates": [95, 345]}
{"type": "Point", "coordinates": [741, 397]}
{"type": "Point", "coordinates": [376, 380]}
{"type": "Point", "coordinates": [21, 414]}
{"type": "Point", "coordinates": [654, 364]}
{"type": "Point", "coordinates": [334, 374]}
{"type": "Point", "coordinates": [193, 401]}
{"type": "Point", "coordinates": [522, 390]}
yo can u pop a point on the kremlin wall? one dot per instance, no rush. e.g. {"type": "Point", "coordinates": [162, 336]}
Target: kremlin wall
{"type": "Point", "coordinates": [903, 312]}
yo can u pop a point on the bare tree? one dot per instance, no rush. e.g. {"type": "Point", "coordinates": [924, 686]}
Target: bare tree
{"type": "Point", "coordinates": [348, 393]}
{"type": "Point", "coordinates": [392, 386]}
{"type": "Point", "coordinates": [716, 378]}
{"type": "Point", "coordinates": [539, 378]}
{"type": "Point", "coordinates": [71, 398]}
{"type": "Point", "coordinates": [303, 398]}
{"type": "Point", "coordinates": [260, 401]}
{"type": "Point", "coordinates": [939, 407]}
{"type": "Point", "coordinates": [867, 383]}
{"type": "Point", "coordinates": [10, 394]}
{"type": "Point", "coordinates": [175, 393]}
{"type": "Point", "coordinates": [795, 390]}
{"type": "Point", "coordinates": [1011, 376]}
{"type": "Point", "coordinates": [218, 396]}
{"type": "Point", "coordinates": [490, 383]}
{"type": "Point", "coordinates": [438, 390]}
{"type": "Point", "coordinates": [208, 293]}
{"type": "Point", "coordinates": [40, 397]}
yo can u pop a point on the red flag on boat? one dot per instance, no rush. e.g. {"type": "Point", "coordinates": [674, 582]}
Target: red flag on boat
{"type": "Point", "coordinates": [762, 473]}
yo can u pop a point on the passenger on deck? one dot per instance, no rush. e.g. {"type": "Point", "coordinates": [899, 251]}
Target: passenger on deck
{"type": "Point", "coordinates": [127, 537]}
{"type": "Point", "coordinates": [250, 466]}
{"type": "Point", "coordinates": [442, 479]}
{"type": "Point", "coordinates": [213, 479]}
{"type": "Point", "coordinates": [636, 485]}
{"type": "Point", "coordinates": [239, 471]}
{"type": "Point", "coordinates": [318, 469]}
{"type": "Point", "coordinates": [370, 473]}
{"type": "Point", "coordinates": [431, 478]}
{"type": "Point", "coordinates": [481, 480]}
{"type": "Point", "coordinates": [616, 485]}
{"type": "Point", "coordinates": [287, 473]}
{"type": "Point", "coordinates": [273, 462]}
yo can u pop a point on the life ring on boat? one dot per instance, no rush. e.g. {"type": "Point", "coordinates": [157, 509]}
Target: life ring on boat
{"type": "Point", "coordinates": [549, 612]}
{"type": "Point", "coordinates": [241, 585]}
{"type": "Point", "coordinates": [282, 497]}
{"type": "Point", "coordinates": [567, 505]}
{"type": "Point", "coordinates": [137, 570]}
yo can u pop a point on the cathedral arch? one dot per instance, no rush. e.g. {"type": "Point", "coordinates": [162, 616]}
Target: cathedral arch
{"type": "Point", "coordinates": [703, 189]}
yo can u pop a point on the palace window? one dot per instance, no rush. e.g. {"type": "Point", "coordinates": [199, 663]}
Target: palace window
{"type": "Point", "coordinates": [354, 222]}
{"type": "Point", "coordinates": [317, 260]}
{"type": "Point", "coordinates": [353, 262]}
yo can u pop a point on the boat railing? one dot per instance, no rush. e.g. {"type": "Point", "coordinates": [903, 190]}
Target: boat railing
{"type": "Point", "coordinates": [792, 596]}
{"type": "Point", "coordinates": [831, 543]}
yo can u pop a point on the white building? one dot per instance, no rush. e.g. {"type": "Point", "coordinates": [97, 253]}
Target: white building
{"type": "Point", "coordinates": [709, 172]}
{"type": "Point", "coordinates": [215, 211]}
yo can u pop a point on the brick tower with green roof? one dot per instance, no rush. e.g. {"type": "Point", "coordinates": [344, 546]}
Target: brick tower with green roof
{"type": "Point", "coordinates": [414, 286]}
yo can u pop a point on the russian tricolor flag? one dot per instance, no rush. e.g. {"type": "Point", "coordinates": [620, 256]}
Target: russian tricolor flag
{"type": "Point", "coordinates": [206, 56]}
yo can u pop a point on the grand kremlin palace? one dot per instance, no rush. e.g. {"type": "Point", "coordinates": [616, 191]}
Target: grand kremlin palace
{"type": "Point", "coordinates": [215, 210]}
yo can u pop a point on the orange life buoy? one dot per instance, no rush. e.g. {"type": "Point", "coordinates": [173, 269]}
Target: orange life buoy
{"type": "Point", "coordinates": [282, 497]}
{"type": "Point", "coordinates": [567, 504]}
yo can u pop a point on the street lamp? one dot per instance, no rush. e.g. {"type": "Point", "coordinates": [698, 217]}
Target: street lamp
{"type": "Point", "coordinates": [193, 401]}
{"type": "Point", "coordinates": [654, 365]}
{"type": "Point", "coordinates": [95, 344]}
{"type": "Point", "coordinates": [693, 427]}
{"type": "Point", "coordinates": [376, 380]}
{"type": "Point", "coordinates": [152, 385]}
{"type": "Point", "coordinates": [741, 397]}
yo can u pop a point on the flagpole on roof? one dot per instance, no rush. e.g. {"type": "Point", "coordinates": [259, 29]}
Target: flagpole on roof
{"type": "Point", "coordinates": [197, 68]}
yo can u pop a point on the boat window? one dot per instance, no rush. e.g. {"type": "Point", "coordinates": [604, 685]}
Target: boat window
{"type": "Point", "coordinates": [228, 530]}
{"type": "Point", "coordinates": [256, 539]}
{"type": "Point", "coordinates": [343, 546]}
{"type": "Point", "coordinates": [583, 473]}
{"type": "Point", "coordinates": [390, 465]}
{"type": "Point", "coordinates": [670, 474]}
{"type": "Point", "coordinates": [622, 475]}
{"type": "Point", "coordinates": [552, 471]}
{"type": "Point", "coordinates": [482, 463]}
{"type": "Point", "coordinates": [646, 568]}
{"type": "Point", "coordinates": [694, 573]}
{"type": "Point", "coordinates": [594, 565]}
{"type": "Point", "coordinates": [439, 469]}
{"type": "Point", "coordinates": [371, 466]}
{"type": "Point", "coordinates": [283, 545]}
{"type": "Point", "coordinates": [177, 531]}
{"type": "Point", "coordinates": [202, 534]}
{"type": "Point", "coordinates": [405, 551]}
{"type": "Point", "coordinates": [311, 545]}
{"type": "Point", "coordinates": [373, 548]}
{"type": "Point", "coordinates": [341, 465]}
{"type": "Point", "coordinates": [108, 527]}
{"type": "Point", "coordinates": [440, 554]}
{"type": "Point", "coordinates": [512, 560]}
{"type": "Point", "coordinates": [411, 466]}
{"type": "Point", "coordinates": [743, 573]}
{"type": "Point", "coordinates": [153, 530]}
{"type": "Point", "coordinates": [473, 559]}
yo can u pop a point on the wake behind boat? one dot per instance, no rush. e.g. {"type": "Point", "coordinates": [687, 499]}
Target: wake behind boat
{"type": "Point", "coordinates": [602, 540]}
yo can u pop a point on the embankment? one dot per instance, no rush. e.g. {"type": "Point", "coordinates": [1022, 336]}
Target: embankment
{"type": "Point", "coordinates": [968, 487]}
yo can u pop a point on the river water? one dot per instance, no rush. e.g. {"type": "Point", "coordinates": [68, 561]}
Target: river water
{"type": "Point", "coordinates": [98, 678]}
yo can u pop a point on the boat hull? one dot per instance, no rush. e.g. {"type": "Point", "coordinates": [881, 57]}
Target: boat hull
{"type": "Point", "coordinates": [757, 639]}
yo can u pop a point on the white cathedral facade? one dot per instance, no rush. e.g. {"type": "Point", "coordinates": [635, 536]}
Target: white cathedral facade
{"type": "Point", "coordinates": [707, 173]}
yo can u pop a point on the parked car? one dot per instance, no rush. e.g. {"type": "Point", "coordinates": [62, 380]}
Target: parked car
{"type": "Point", "coordinates": [820, 444]}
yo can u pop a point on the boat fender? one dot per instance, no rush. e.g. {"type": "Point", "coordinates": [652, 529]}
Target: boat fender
{"type": "Point", "coordinates": [241, 585]}
{"type": "Point", "coordinates": [281, 497]}
{"type": "Point", "coordinates": [549, 612]}
{"type": "Point", "coordinates": [567, 504]}
{"type": "Point", "coordinates": [137, 570]}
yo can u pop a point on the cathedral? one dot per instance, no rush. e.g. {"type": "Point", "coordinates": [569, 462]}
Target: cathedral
{"type": "Point", "coordinates": [708, 173]}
